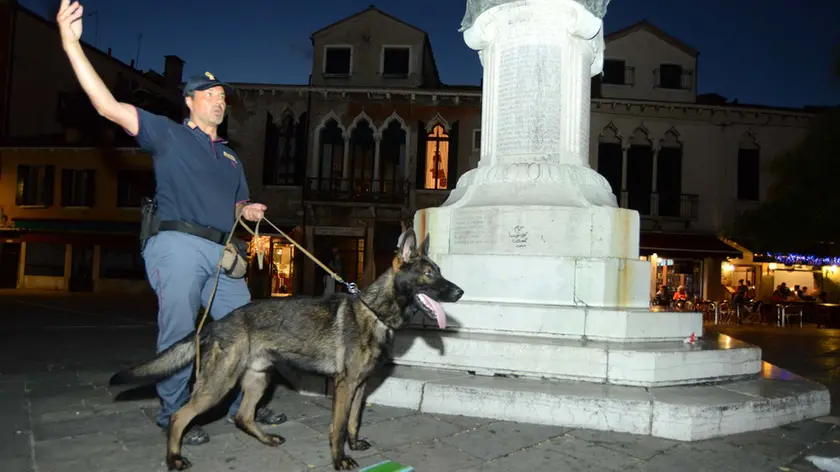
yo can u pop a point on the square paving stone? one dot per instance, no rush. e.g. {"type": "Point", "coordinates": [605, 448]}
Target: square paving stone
{"type": "Point", "coordinates": [688, 456]}
{"type": "Point", "coordinates": [273, 460]}
{"type": "Point", "coordinates": [407, 430]}
{"type": "Point", "coordinates": [498, 439]}
{"type": "Point", "coordinates": [14, 418]}
{"type": "Point", "coordinates": [68, 405]}
{"type": "Point", "coordinates": [594, 455]}
{"type": "Point", "coordinates": [464, 422]}
{"type": "Point", "coordinates": [806, 432]}
{"type": "Point", "coordinates": [433, 455]}
{"type": "Point", "coordinates": [15, 446]}
{"type": "Point", "coordinates": [79, 448]}
{"type": "Point", "coordinates": [533, 460]}
{"type": "Point", "coordinates": [91, 425]}
{"type": "Point", "coordinates": [22, 464]}
{"type": "Point", "coordinates": [116, 461]}
{"type": "Point", "coordinates": [772, 445]}
{"type": "Point", "coordinates": [641, 447]}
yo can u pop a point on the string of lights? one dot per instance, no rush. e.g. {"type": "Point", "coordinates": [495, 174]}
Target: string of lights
{"type": "Point", "coordinates": [804, 259]}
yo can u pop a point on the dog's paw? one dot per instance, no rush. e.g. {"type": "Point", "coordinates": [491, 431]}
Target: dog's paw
{"type": "Point", "coordinates": [275, 440]}
{"type": "Point", "coordinates": [177, 463]}
{"type": "Point", "coordinates": [358, 445]}
{"type": "Point", "coordinates": [347, 463]}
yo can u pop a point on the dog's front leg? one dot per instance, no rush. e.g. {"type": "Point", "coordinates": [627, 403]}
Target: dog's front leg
{"type": "Point", "coordinates": [355, 421]}
{"type": "Point", "coordinates": [342, 400]}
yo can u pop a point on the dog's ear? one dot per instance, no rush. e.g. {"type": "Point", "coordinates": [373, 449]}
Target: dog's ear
{"type": "Point", "coordinates": [407, 244]}
{"type": "Point", "coordinates": [424, 246]}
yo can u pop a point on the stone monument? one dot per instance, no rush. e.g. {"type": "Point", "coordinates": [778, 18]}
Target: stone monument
{"type": "Point", "coordinates": [555, 325]}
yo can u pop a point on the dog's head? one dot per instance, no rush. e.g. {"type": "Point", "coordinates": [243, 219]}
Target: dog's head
{"type": "Point", "coordinates": [418, 280]}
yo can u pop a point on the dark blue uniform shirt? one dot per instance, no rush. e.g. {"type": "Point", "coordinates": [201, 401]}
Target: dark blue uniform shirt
{"type": "Point", "coordinates": [199, 180]}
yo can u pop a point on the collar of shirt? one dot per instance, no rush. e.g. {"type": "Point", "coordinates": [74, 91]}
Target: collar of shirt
{"type": "Point", "coordinates": [189, 124]}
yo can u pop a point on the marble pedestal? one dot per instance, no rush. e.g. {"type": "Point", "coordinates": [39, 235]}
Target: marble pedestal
{"type": "Point", "coordinates": [555, 326]}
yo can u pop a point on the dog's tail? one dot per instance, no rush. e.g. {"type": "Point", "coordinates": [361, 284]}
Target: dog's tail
{"type": "Point", "coordinates": [171, 360]}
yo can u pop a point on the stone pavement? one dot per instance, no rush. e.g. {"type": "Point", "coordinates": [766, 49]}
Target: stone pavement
{"type": "Point", "coordinates": [58, 414]}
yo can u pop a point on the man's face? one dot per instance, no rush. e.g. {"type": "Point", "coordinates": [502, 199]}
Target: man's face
{"type": "Point", "coordinates": [208, 106]}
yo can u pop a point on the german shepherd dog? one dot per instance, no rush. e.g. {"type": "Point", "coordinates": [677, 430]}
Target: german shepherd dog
{"type": "Point", "coordinates": [338, 335]}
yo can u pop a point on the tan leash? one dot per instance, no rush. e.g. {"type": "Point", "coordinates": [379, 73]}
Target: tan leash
{"type": "Point", "coordinates": [351, 287]}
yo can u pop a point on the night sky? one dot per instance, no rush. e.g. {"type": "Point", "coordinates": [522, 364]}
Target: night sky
{"type": "Point", "coordinates": [769, 52]}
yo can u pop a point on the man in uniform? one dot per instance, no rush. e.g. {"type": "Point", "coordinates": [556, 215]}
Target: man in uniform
{"type": "Point", "coordinates": [201, 188]}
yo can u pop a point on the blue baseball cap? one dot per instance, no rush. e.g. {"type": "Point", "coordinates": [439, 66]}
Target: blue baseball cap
{"type": "Point", "coordinates": [203, 82]}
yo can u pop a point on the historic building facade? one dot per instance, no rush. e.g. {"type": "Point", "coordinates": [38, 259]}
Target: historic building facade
{"type": "Point", "coordinates": [376, 135]}
{"type": "Point", "coordinates": [70, 181]}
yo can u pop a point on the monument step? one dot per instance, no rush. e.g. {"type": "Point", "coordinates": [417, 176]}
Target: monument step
{"type": "Point", "coordinates": [770, 399]}
{"type": "Point", "coordinates": [651, 364]}
{"type": "Point", "coordinates": [567, 321]}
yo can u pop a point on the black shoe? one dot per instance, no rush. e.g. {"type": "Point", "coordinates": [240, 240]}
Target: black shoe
{"type": "Point", "coordinates": [195, 436]}
{"type": "Point", "coordinates": [266, 416]}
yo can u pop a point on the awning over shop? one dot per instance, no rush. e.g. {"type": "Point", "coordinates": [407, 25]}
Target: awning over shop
{"type": "Point", "coordinates": [679, 245]}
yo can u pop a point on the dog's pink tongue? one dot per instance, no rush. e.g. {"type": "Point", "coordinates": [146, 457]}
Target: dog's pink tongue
{"type": "Point", "coordinates": [438, 309]}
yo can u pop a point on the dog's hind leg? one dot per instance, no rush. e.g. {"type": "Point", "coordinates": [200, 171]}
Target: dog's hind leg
{"type": "Point", "coordinates": [253, 387]}
{"type": "Point", "coordinates": [342, 400]}
{"type": "Point", "coordinates": [355, 421]}
{"type": "Point", "coordinates": [219, 374]}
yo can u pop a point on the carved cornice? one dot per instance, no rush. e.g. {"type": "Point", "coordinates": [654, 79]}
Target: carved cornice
{"type": "Point", "coordinates": [370, 93]}
{"type": "Point", "coordinates": [598, 104]}
{"type": "Point", "coordinates": [636, 106]}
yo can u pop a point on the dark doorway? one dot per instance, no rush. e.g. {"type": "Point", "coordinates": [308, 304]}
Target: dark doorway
{"type": "Point", "coordinates": [351, 253]}
{"type": "Point", "coordinates": [9, 264]}
{"type": "Point", "coordinates": [81, 269]}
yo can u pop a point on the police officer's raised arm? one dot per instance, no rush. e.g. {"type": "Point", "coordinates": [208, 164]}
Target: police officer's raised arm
{"type": "Point", "coordinates": [69, 20]}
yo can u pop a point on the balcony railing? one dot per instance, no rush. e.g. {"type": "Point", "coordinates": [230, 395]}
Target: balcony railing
{"type": "Point", "coordinates": [680, 206]}
{"type": "Point", "coordinates": [357, 190]}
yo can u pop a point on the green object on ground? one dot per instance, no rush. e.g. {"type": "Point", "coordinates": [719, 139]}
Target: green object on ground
{"type": "Point", "coordinates": [388, 466]}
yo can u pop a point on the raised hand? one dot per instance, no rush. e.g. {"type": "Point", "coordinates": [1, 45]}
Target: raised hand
{"type": "Point", "coordinates": [69, 19]}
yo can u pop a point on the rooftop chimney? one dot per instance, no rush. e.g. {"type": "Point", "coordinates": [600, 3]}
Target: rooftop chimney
{"type": "Point", "coordinates": [173, 70]}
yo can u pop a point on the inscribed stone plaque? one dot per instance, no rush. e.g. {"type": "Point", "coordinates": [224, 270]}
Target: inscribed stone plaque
{"type": "Point", "coordinates": [473, 229]}
{"type": "Point", "coordinates": [529, 101]}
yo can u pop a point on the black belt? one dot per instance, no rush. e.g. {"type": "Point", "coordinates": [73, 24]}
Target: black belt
{"type": "Point", "coordinates": [209, 234]}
